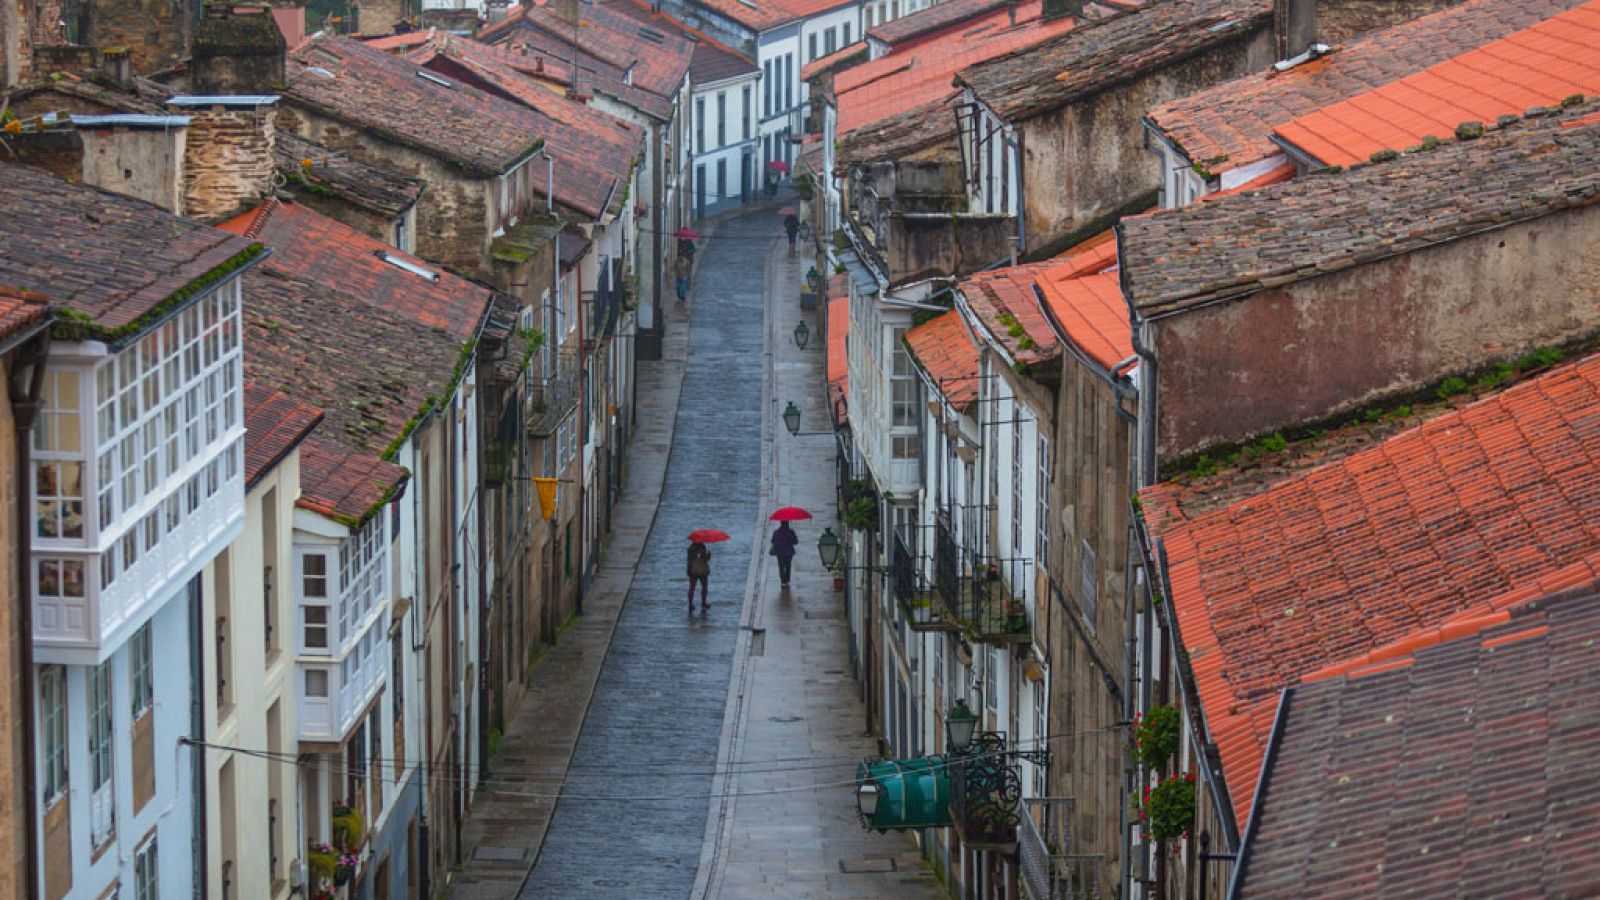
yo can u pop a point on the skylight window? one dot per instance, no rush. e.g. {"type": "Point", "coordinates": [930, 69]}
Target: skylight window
{"type": "Point", "coordinates": [318, 70]}
{"type": "Point", "coordinates": [425, 75]}
{"type": "Point", "coordinates": [403, 263]}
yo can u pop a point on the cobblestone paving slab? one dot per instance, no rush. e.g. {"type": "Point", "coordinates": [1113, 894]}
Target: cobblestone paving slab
{"type": "Point", "coordinates": [652, 727]}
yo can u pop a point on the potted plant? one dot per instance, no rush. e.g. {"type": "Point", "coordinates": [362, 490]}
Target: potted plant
{"type": "Point", "coordinates": [1155, 737]}
{"type": "Point", "coordinates": [1168, 808]}
{"type": "Point", "coordinates": [347, 827]}
{"type": "Point", "coordinates": [321, 860]}
{"type": "Point", "coordinates": [345, 868]}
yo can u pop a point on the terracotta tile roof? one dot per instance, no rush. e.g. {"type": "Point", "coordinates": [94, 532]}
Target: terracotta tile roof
{"type": "Point", "coordinates": [1537, 66]}
{"type": "Point", "coordinates": [633, 37]}
{"type": "Point", "coordinates": [20, 309]}
{"type": "Point", "coordinates": [147, 98]}
{"type": "Point", "coordinates": [811, 159]}
{"type": "Point", "coordinates": [311, 246]}
{"type": "Point", "coordinates": [274, 424]}
{"type": "Point", "coordinates": [1465, 766]}
{"type": "Point", "coordinates": [372, 373]}
{"type": "Point", "coordinates": [1109, 51]}
{"type": "Point", "coordinates": [548, 59]}
{"type": "Point", "coordinates": [1237, 245]}
{"type": "Point", "coordinates": [571, 247]}
{"type": "Point", "coordinates": [1278, 174]}
{"type": "Point", "coordinates": [933, 18]}
{"type": "Point", "coordinates": [594, 152]}
{"type": "Point", "coordinates": [714, 61]}
{"type": "Point", "coordinates": [1380, 544]}
{"type": "Point", "coordinates": [355, 182]}
{"type": "Point", "coordinates": [403, 41]}
{"type": "Point", "coordinates": [1230, 125]}
{"type": "Point", "coordinates": [1092, 314]}
{"type": "Point", "coordinates": [900, 103]}
{"type": "Point", "coordinates": [343, 486]}
{"type": "Point", "coordinates": [849, 52]}
{"type": "Point", "coordinates": [102, 255]}
{"type": "Point", "coordinates": [764, 15]}
{"type": "Point", "coordinates": [838, 329]}
{"type": "Point", "coordinates": [1005, 302]}
{"type": "Point", "coordinates": [386, 95]}
{"type": "Point", "coordinates": [944, 349]}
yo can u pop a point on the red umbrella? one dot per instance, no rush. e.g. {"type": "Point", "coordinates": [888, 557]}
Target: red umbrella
{"type": "Point", "coordinates": [786, 211]}
{"type": "Point", "coordinates": [789, 514]}
{"type": "Point", "coordinates": [687, 232]}
{"type": "Point", "coordinates": [708, 536]}
{"type": "Point", "coordinates": [778, 165]}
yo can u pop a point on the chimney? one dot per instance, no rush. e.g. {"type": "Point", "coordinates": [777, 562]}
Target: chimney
{"type": "Point", "coordinates": [228, 162]}
{"type": "Point", "coordinates": [291, 20]}
{"type": "Point", "coordinates": [1011, 11]}
{"type": "Point", "coordinates": [1061, 9]}
{"type": "Point", "coordinates": [117, 64]}
{"type": "Point", "coordinates": [1296, 24]}
{"type": "Point", "coordinates": [237, 50]}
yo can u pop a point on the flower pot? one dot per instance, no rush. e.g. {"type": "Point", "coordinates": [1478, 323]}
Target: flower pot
{"type": "Point", "coordinates": [838, 582]}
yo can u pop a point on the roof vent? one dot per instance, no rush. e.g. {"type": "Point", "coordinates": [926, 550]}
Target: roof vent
{"type": "Point", "coordinates": [1315, 51]}
{"type": "Point", "coordinates": [749, 4]}
{"type": "Point", "coordinates": [318, 70]}
{"type": "Point", "coordinates": [425, 75]}
{"type": "Point", "coordinates": [403, 263]}
{"type": "Point", "coordinates": [1223, 26]}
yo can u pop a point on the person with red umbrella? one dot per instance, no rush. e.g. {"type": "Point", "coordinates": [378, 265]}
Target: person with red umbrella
{"type": "Point", "coordinates": [699, 566]}
{"type": "Point", "coordinates": [784, 540]}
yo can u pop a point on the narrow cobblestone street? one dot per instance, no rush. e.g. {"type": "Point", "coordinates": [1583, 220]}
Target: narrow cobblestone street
{"type": "Point", "coordinates": [647, 717]}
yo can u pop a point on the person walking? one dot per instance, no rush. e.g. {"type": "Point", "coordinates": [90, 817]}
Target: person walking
{"type": "Point", "coordinates": [699, 569]}
{"type": "Point", "coordinates": [791, 226]}
{"type": "Point", "coordinates": [784, 541]}
{"type": "Point", "coordinates": [681, 278]}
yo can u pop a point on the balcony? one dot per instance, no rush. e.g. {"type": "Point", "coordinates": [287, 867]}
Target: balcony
{"type": "Point", "coordinates": [976, 592]}
{"type": "Point", "coordinates": [917, 598]}
{"type": "Point", "coordinates": [552, 398]}
{"type": "Point", "coordinates": [1048, 871]}
{"type": "Point", "coordinates": [985, 794]}
{"type": "Point", "coordinates": [912, 218]}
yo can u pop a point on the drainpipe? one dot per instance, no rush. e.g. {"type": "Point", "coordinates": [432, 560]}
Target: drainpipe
{"type": "Point", "coordinates": [583, 440]}
{"type": "Point", "coordinates": [24, 410]}
{"type": "Point", "coordinates": [197, 724]}
{"type": "Point", "coordinates": [419, 643]}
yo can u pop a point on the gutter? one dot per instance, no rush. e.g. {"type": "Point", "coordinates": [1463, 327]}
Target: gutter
{"type": "Point", "coordinates": [24, 411]}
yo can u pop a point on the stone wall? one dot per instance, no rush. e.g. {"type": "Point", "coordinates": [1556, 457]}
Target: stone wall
{"type": "Point", "coordinates": [228, 164]}
{"type": "Point", "coordinates": [237, 53]}
{"type": "Point", "coordinates": [63, 58]}
{"type": "Point", "coordinates": [58, 152]}
{"type": "Point", "coordinates": [376, 17]}
{"type": "Point", "coordinates": [144, 163]}
{"type": "Point", "coordinates": [1327, 346]}
{"type": "Point", "coordinates": [1340, 20]}
{"type": "Point", "coordinates": [156, 33]}
{"type": "Point", "coordinates": [1087, 160]}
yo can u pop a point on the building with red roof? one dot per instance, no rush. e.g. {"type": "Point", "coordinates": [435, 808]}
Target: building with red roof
{"type": "Point", "coordinates": [1218, 139]}
{"type": "Point", "coordinates": [1272, 577]}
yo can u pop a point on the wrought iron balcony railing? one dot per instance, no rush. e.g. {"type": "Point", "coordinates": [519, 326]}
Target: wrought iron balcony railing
{"type": "Point", "coordinates": [986, 791]}
{"type": "Point", "coordinates": [918, 603]}
{"type": "Point", "coordinates": [552, 398]}
{"type": "Point", "coordinates": [1048, 871]}
{"type": "Point", "coordinates": [978, 593]}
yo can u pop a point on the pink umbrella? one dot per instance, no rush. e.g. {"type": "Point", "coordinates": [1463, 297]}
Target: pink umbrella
{"type": "Point", "coordinates": [778, 165]}
{"type": "Point", "coordinates": [688, 233]}
{"type": "Point", "coordinates": [789, 514]}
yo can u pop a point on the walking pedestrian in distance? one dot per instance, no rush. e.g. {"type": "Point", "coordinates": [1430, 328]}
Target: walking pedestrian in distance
{"type": "Point", "coordinates": [699, 570]}
{"type": "Point", "coordinates": [784, 541]}
{"type": "Point", "coordinates": [791, 225]}
{"type": "Point", "coordinates": [681, 276]}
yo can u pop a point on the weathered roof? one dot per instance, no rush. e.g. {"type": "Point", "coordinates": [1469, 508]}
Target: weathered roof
{"type": "Point", "coordinates": [546, 57]}
{"type": "Point", "coordinates": [147, 97]}
{"type": "Point", "coordinates": [1386, 541]}
{"type": "Point", "coordinates": [932, 18]}
{"type": "Point", "coordinates": [594, 152]}
{"type": "Point", "coordinates": [764, 15]}
{"type": "Point", "coordinates": [1004, 301]}
{"type": "Point", "coordinates": [714, 61]}
{"type": "Point", "coordinates": [343, 486]}
{"type": "Point", "coordinates": [400, 101]}
{"type": "Point", "coordinates": [849, 53]}
{"type": "Point", "coordinates": [1461, 768]}
{"type": "Point", "coordinates": [1230, 125]}
{"type": "Point", "coordinates": [1082, 294]}
{"type": "Point", "coordinates": [624, 34]}
{"type": "Point", "coordinates": [274, 424]}
{"type": "Point", "coordinates": [112, 261]}
{"type": "Point", "coordinates": [1100, 54]}
{"type": "Point", "coordinates": [353, 181]}
{"type": "Point", "coordinates": [838, 357]}
{"type": "Point", "coordinates": [900, 103]}
{"type": "Point", "coordinates": [1204, 252]}
{"type": "Point", "coordinates": [945, 350]}
{"type": "Point", "coordinates": [1538, 66]}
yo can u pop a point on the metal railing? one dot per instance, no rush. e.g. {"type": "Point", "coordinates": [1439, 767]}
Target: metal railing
{"type": "Point", "coordinates": [918, 605]}
{"type": "Point", "coordinates": [1048, 871]}
{"type": "Point", "coordinates": [552, 398]}
{"type": "Point", "coordinates": [978, 593]}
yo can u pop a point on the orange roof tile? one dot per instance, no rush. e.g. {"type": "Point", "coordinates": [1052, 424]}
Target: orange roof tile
{"type": "Point", "coordinates": [1092, 313]}
{"type": "Point", "coordinates": [274, 424]}
{"type": "Point", "coordinates": [1004, 301]}
{"type": "Point", "coordinates": [344, 486]}
{"type": "Point", "coordinates": [1230, 125]}
{"type": "Point", "coordinates": [20, 308]}
{"type": "Point", "coordinates": [1276, 175]}
{"type": "Point", "coordinates": [944, 349]}
{"type": "Point", "coordinates": [903, 82]}
{"type": "Point", "coordinates": [838, 361]}
{"type": "Point", "coordinates": [1537, 66]}
{"type": "Point", "coordinates": [1497, 499]}
{"type": "Point", "coordinates": [823, 63]}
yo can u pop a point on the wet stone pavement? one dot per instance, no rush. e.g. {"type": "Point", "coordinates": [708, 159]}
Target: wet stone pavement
{"type": "Point", "coordinates": [650, 737]}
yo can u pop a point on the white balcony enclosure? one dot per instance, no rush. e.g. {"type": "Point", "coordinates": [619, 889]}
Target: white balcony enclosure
{"type": "Point", "coordinates": [342, 622]}
{"type": "Point", "coordinates": [137, 475]}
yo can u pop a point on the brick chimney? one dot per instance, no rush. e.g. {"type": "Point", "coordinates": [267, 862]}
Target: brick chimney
{"type": "Point", "coordinates": [117, 64]}
{"type": "Point", "coordinates": [237, 50]}
{"type": "Point", "coordinates": [228, 162]}
{"type": "Point", "coordinates": [1061, 9]}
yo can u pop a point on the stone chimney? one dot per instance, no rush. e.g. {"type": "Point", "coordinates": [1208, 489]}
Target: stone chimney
{"type": "Point", "coordinates": [237, 50]}
{"type": "Point", "coordinates": [1062, 9]}
{"type": "Point", "coordinates": [117, 64]}
{"type": "Point", "coordinates": [228, 163]}
{"type": "Point", "coordinates": [1296, 24]}
{"type": "Point", "coordinates": [137, 156]}
{"type": "Point", "coordinates": [380, 17]}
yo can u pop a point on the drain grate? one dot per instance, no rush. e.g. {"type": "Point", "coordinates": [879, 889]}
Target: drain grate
{"type": "Point", "coordinates": [866, 866]}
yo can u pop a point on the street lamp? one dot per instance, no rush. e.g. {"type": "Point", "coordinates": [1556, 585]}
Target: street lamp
{"type": "Point", "coordinates": [867, 799]}
{"type": "Point", "coordinates": [959, 724]}
{"type": "Point", "coordinates": [791, 418]}
{"type": "Point", "coordinates": [802, 335]}
{"type": "Point", "coordinates": [828, 547]}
